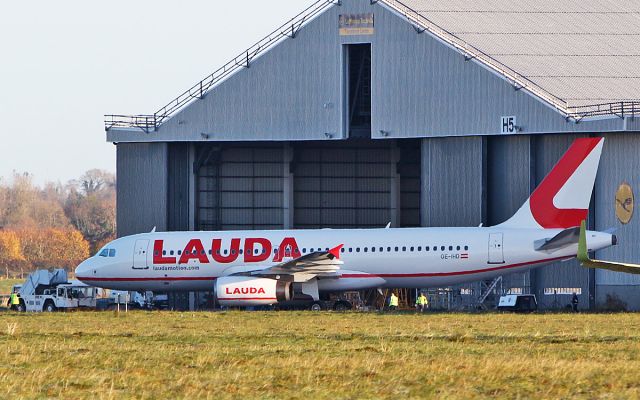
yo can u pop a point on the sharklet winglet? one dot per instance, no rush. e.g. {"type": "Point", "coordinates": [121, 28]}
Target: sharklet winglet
{"type": "Point", "coordinates": [336, 251]}
{"type": "Point", "coordinates": [587, 262]}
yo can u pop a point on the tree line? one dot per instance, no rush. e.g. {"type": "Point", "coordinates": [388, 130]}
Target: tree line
{"type": "Point", "coordinates": [54, 225]}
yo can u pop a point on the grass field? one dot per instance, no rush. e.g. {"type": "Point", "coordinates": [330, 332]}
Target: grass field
{"type": "Point", "coordinates": [318, 355]}
{"type": "Point", "coordinates": [7, 284]}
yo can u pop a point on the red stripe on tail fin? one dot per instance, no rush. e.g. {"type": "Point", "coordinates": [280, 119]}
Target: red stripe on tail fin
{"type": "Point", "coordinates": [542, 207]}
{"type": "Point", "coordinates": [562, 198]}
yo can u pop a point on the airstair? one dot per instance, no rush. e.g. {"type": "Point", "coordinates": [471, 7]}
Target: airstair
{"type": "Point", "coordinates": [488, 290]}
{"type": "Point", "coordinates": [42, 277]}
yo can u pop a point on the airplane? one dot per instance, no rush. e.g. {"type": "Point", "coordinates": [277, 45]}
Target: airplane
{"type": "Point", "coordinates": [587, 262]}
{"type": "Point", "coordinates": [249, 268]}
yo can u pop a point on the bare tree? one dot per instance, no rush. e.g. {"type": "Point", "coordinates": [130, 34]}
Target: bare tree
{"type": "Point", "coordinates": [97, 180]}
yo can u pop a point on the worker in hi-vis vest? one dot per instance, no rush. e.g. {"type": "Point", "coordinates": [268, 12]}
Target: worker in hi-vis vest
{"type": "Point", "coordinates": [421, 302]}
{"type": "Point", "coordinates": [14, 300]}
{"type": "Point", "coordinates": [393, 302]}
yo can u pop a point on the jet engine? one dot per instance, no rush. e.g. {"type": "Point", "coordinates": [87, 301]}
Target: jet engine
{"type": "Point", "coordinates": [240, 291]}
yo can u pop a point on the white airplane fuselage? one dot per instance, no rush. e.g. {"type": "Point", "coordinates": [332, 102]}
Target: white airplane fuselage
{"type": "Point", "coordinates": [373, 258]}
{"type": "Point", "coordinates": [260, 267]}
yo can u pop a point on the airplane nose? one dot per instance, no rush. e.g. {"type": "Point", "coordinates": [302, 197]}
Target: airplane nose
{"type": "Point", "coordinates": [83, 269]}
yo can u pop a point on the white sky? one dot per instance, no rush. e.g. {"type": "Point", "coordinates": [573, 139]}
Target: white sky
{"type": "Point", "coordinates": [66, 63]}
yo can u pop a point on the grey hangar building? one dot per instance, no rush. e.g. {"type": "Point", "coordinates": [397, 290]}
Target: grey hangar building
{"type": "Point", "coordinates": [360, 113]}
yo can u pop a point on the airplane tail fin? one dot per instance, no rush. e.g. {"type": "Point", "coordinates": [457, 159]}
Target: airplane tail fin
{"type": "Point", "coordinates": [562, 199]}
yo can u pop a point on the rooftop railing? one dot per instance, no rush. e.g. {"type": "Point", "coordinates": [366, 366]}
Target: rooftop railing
{"type": "Point", "coordinates": [149, 123]}
{"type": "Point", "coordinates": [620, 109]}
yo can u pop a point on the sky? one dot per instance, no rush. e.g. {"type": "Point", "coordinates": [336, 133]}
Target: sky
{"type": "Point", "coordinates": [66, 63]}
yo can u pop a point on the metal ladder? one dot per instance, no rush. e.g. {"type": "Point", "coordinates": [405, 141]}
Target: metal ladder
{"type": "Point", "coordinates": [488, 291]}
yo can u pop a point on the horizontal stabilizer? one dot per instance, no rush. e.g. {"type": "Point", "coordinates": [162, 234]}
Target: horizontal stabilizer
{"type": "Point", "coordinates": [563, 239]}
{"type": "Point", "coordinates": [586, 262]}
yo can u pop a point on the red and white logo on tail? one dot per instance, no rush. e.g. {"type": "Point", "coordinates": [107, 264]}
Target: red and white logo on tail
{"type": "Point", "coordinates": [562, 199]}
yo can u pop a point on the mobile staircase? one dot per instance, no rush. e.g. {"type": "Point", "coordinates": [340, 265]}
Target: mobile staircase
{"type": "Point", "coordinates": [46, 290]}
{"type": "Point", "coordinates": [487, 290]}
{"type": "Point", "coordinates": [42, 278]}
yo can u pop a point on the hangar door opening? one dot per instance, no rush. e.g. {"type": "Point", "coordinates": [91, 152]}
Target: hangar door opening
{"type": "Point", "coordinates": [239, 188]}
{"type": "Point", "coordinates": [358, 89]}
{"type": "Point", "coordinates": [358, 184]}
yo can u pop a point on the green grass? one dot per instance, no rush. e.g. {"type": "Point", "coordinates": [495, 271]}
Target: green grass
{"type": "Point", "coordinates": [325, 355]}
{"type": "Point", "coordinates": [7, 284]}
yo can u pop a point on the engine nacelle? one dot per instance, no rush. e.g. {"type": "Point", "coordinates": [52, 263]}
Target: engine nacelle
{"type": "Point", "coordinates": [240, 291]}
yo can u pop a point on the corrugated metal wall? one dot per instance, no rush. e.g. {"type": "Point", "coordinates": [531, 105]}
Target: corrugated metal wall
{"type": "Point", "coordinates": [454, 176]}
{"type": "Point", "coordinates": [464, 181]}
{"type": "Point", "coordinates": [179, 191]}
{"type": "Point", "coordinates": [453, 181]}
{"type": "Point", "coordinates": [142, 187]}
{"type": "Point", "coordinates": [435, 92]}
{"type": "Point", "coordinates": [420, 88]}
{"type": "Point", "coordinates": [510, 181]}
{"type": "Point", "coordinates": [292, 92]}
{"type": "Point", "coordinates": [568, 274]}
{"type": "Point", "coordinates": [619, 164]}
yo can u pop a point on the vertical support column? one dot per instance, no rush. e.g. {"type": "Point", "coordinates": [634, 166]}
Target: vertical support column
{"type": "Point", "coordinates": [192, 187]}
{"type": "Point", "coordinates": [142, 172]}
{"type": "Point", "coordinates": [179, 190]}
{"type": "Point", "coordinates": [425, 176]}
{"type": "Point", "coordinates": [533, 273]}
{"type": "Point", "coordinates": [287, 187]}
{"type": "Point", "coordinates": [453, 181]}
{"type": "Point", "coordinates": [511, 176]}
{"type": "Point", "coordinates": [394, 187]}
{"type": "Point", "coordinates": [484, 197]}
{"type": "Point", "coordinates": [591, 225]}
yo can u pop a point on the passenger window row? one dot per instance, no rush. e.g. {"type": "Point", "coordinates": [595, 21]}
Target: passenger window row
{"type": "Point", "coordinates": [396, 249]}
{"type": "Point", "coordinates": [372, 249]}
{"type": "Point", "coordinates": [210, 252]}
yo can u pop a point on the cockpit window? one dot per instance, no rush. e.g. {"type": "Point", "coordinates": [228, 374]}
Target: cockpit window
{"type": "Point", "coordinates": [112, 252]}
{"type": "Point", "coordinates": [104, 253]}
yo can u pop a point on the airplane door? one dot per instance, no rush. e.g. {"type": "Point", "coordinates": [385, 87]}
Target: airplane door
{"type": "Point", "coordinates": [140, 255]}
{"type": "Point", "coordinates": [496, 252]}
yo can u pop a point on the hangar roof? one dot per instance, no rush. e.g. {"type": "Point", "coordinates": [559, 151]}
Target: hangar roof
{"type": "Point", "coordinates": [574, 53]}
{"type": "Point", "coordinates": [579, 56]}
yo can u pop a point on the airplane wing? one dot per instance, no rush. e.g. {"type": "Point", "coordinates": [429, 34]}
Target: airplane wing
{"type": "Point", "coordinates": [307, 267]}
{"type": "Point", "coordinates": [584, 259]}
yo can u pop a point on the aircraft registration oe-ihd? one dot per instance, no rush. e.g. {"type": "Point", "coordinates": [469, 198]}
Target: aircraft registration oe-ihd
{"type": "Point", "coordinates": [246, 268]}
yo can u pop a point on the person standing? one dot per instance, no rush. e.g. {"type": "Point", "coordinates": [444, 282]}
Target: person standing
{"type": "Point", "coordinates": [421, 302]}
{"type": "Point", "coordinates": [14, 300]}
{"type": "Point", "coordinates": [393, 302]}
{"type": "Point", "coordinates": [574, 302]}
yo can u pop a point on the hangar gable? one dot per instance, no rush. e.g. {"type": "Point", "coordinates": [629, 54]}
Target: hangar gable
{"type": "Point", "coordinates": [428, 77]}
